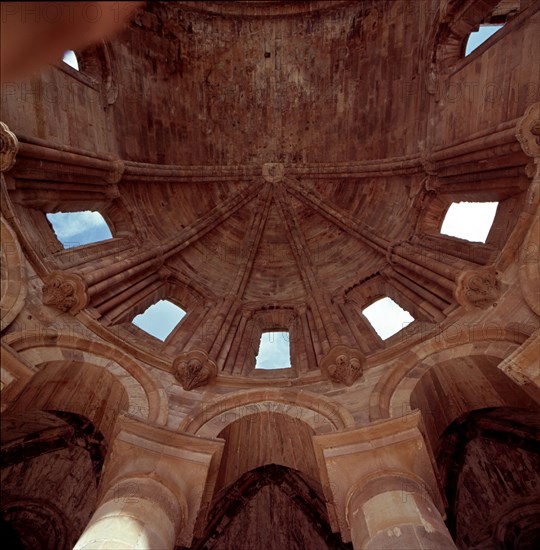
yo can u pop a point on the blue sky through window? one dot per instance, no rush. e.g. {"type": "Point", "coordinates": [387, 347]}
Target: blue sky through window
{"type": "Point", "coordinates": [79, 228]}
{"type": "Point", "coordinates": [479, 37]}
{"type": "Point", "coordinates": [274, 351]}
{"type": "Point", "coordinates": [160, 319]}
{"type": "Point", "coordinates": [386, 317]}
{"type": "Point", "coordinates": [71, 59]}
{"type": "Point", "coordinates": [469, 220]}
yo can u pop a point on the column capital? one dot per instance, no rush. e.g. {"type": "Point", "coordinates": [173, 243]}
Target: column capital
{"type": "Point", "coordinates": [522, 365]}
{"type": "Point", "coordinates": [186, 465]}
{"type": "Point", "coordinates": [351, 461]}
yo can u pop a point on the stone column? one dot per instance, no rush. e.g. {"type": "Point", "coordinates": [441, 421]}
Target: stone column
{"type": "Point", "coordinates": [396, 512]}
{"type": "Point", "coordinates": [528, 134]}
{"type": "Point", "coordinates": [155, 484]}
{"type": "Point", "coordinates": [307, 338]}
{"type": "Point", "coordinates": [136, 512]}
{"type": "Point", "coordinates": [381, 487]}
{"type": "Point", "coordinates": [478, 152]}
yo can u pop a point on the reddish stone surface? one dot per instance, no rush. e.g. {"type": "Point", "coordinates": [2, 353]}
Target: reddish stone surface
{"type": "Point", "coordinates": [277, 165]}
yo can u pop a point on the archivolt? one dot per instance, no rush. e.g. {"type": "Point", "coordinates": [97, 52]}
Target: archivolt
{"type": "Point", "coordinates": [319, 412]}
{"type": "Point", "coordinates": [394, 389]}
{"type": "Point", "coordinates": [147, 399]}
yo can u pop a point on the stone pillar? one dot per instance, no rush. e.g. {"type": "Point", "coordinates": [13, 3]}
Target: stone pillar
{"type": "Point", "coordinates": [396, 512]}
{"type": "Point", "coordinates": [381, 487]}
{"type": "Point", "coordinates": [136, 512]}
{"type": "Point", "coordinates": [478, 152]}
{"type": "Point", "coordinates": [424, 262]}
{"type": "Point", "coordinates": [155, 485]}
{"type": "Point", "coordinates": [197, 365]}
{"type": "Point", "coordinates": [528, 134]}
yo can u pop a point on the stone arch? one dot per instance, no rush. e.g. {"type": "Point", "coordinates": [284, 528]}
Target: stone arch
{"type": "Point", "coordinates": [146, 399]}
{"type": "Point", "coordinates": [97, 63]}
{"type": "Point", "coordinates": [297, 501]}
{"type": "Point", "coordinates": [506, 511]}
{"type": "Point", "coordinates": [455, 386]}
{"type": "Point", "coordinates": [456, 20]}
{"type": "Point", "coordinates": [51, 467]}
{"type": "Point", "coordinates": [365, 294]}
{"type": "Point", "coordinates": [273, 438]}
{"type": "Point", "coordinates": [392, 393]}
{"type": "Point", "coordinates": [320, 413]}
{"type": "Point", "coordinates": [13, 274]}
{"type": "Point", "coordinates": [77, 387]}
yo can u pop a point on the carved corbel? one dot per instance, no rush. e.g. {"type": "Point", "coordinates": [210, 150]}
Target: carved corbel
{"type": "Point", "coordinates": [343, 364]}
{"type": "Point", "coordinates": [194, 369]}
{"type": "Point", "coordinates": [528, 131]}
{"type": "Point", "coordinates": [9, 145]}
{"type": "Point", "coordinates": [478, 288]}
{"type": "Point", "coordinates": [65, 291]}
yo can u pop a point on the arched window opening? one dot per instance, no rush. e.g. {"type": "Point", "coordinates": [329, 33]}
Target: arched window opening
{"type": "Point", "coordinates": [274, 351]}
{"type": "Point", "coordinates": [79, 228]}
{"type": "Point", "coordinates": [160, 319]}
{"type": "Point", "coordinates": [471, 221]}
{"type": "Point", "coordinates": [71, 59]}
{"type": "Point", "coordinates": [477, 38]}
{"type": "Point", "coordinates": [493, 22]}
{"type": "Point", "coordinates": [386, 317]}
